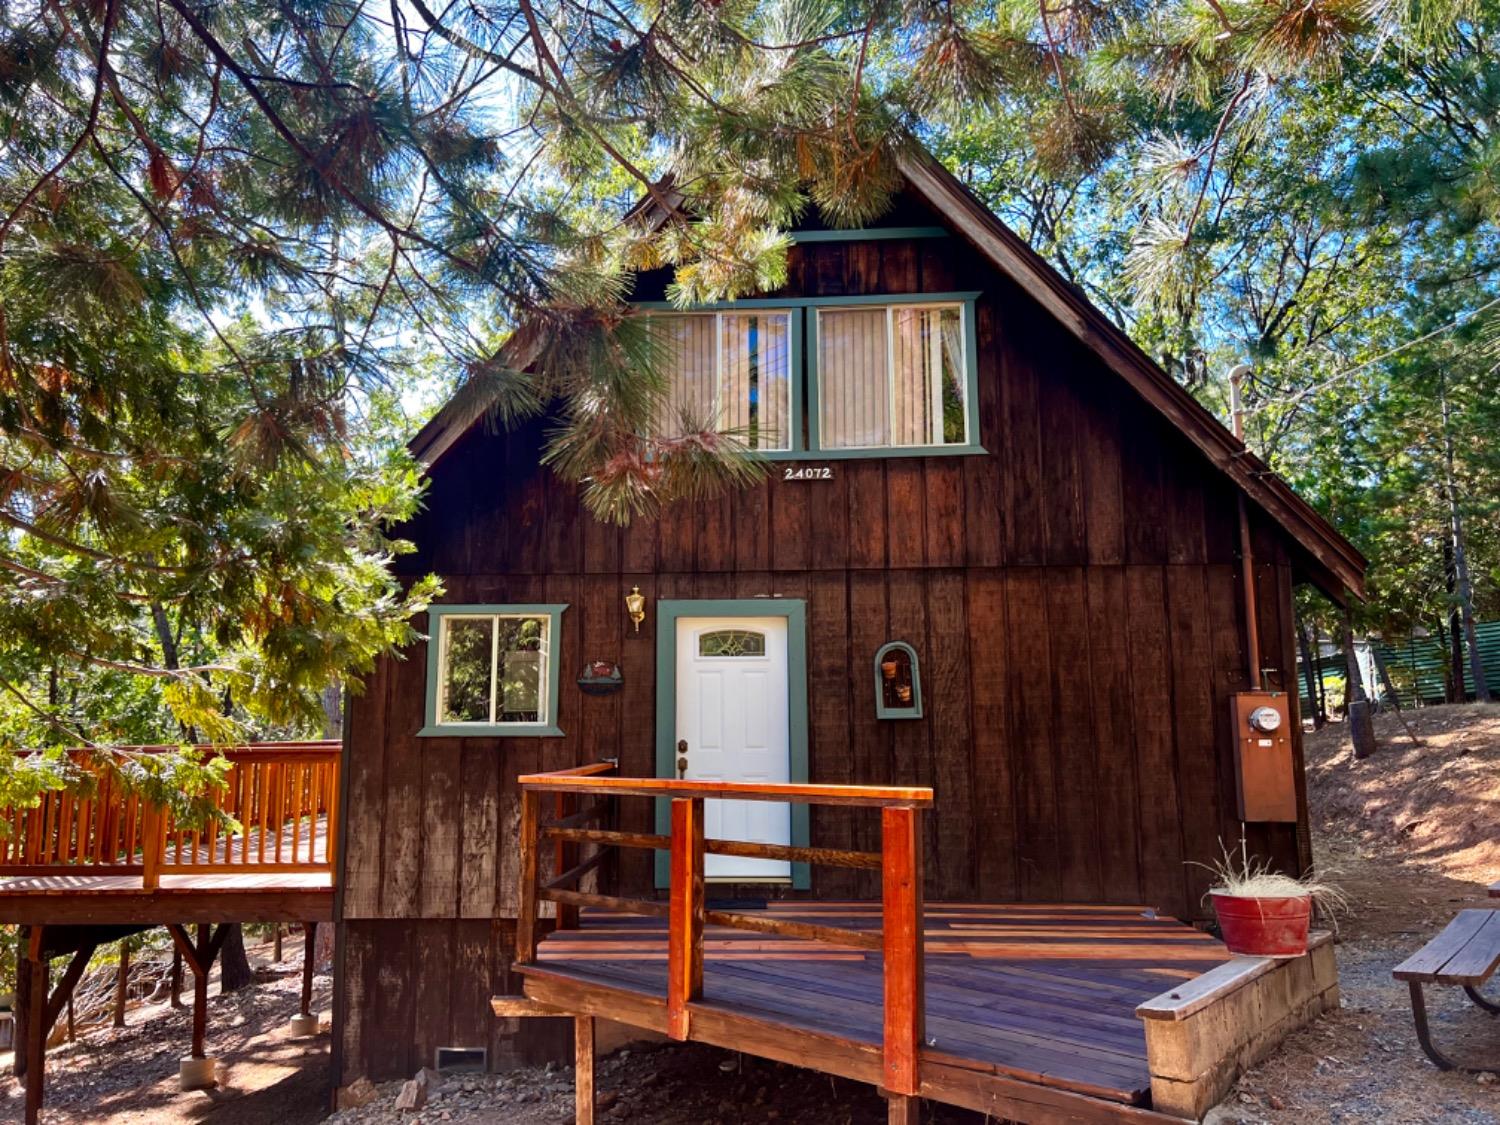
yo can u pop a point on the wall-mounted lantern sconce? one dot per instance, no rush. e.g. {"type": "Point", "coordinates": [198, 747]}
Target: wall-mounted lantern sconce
{"type": "Point", "coordinates": [898, 682]}
{"type": "Point", "coordinates": [635, 605]}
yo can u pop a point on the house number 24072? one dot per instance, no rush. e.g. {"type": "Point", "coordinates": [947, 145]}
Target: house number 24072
{"type": "Point", "coordinates": [808, 472]}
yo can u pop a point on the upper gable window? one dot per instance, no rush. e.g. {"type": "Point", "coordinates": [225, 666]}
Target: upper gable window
{"type": "Point", "coordinates": [730, 372]}
{"type": "Point", "coordinates": [492, 670]}
{"type": "Point", "coordinates": [893, 376]}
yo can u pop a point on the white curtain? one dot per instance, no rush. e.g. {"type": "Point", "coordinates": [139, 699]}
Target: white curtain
{"type": "Point", "coordinates": [854, 400]}
{"type": "Point", "coordinates": [755, 378]}
{"type": "Point", "coordinates": [891, 377]}
{"type": "Point", "coordinates": [729, 372]}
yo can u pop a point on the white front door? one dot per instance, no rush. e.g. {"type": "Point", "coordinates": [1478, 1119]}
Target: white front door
{"type": "Point", "coordinates": [734, 716]}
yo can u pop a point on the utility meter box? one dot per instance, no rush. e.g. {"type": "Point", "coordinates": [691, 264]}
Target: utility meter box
{"type": "Point", "coordinates": [1265, 777]}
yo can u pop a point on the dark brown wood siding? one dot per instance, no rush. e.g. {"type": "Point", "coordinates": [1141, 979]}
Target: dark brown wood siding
{"type": "Point", "coordinates": [1073, 596]}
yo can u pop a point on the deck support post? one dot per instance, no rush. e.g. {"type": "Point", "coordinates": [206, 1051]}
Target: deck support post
{"type": "Point", "coordinates": [685, 916]}
{"type": "Point", "coordinates": [902, 1109]}
{"type": "Point", "coordinates": [200, 993]}
{"type": "Point", "coordinates": [583, 1070]}
{"type": "Point", "coordinates": [196, 1071]}
{"type": "Point", "coordinates": [901, 925]}
{"type": "Point", "coordinates": [304, 1023]}
{"type": "Point", "coordinates": [36, 1025]}
{"type": "Point", "coordinates": [40, 1011]}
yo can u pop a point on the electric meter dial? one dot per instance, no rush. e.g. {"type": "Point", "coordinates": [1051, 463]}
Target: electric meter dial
{"type": "Point", "coordinates": [1265, 719]}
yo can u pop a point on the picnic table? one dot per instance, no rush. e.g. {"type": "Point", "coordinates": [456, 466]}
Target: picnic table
{"type": "Point", "coordinates": [1467, 954]}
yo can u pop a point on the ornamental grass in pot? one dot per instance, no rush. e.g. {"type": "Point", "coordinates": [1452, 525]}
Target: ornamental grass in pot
{"type": "Point", "coordinates": [1264, 913]}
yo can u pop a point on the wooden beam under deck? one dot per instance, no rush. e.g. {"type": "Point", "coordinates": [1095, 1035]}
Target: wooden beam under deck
{"type": "Point", "coordinates": [189, 904]}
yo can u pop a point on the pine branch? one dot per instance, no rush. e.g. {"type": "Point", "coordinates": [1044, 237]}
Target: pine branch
{"type": "Point", "coordinates": [84, 134]}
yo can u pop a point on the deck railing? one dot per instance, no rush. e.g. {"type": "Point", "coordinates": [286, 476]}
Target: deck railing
{"type": "Point", "coordinates": [572, 828]}
{"type": "Point", "coordinates": [284, 796]}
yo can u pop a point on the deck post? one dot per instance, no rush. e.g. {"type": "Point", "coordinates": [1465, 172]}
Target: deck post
{"type": "Point", "coordinates": [304, 1023]}
{"type": "Point", "coordinates": [196, 1071]}
{"type": "Point", "coordinates": [530, 838]}
{"type": "Point", "coordinates": [565, 855]}
{"type": "Point", "coordinates": [901, 898]}
{"type": "Point", "coordinates": [901, 1109]}
{"type": "Point", "coordinates": [22, 1007]}
{"type": "Point", "coordinates": [36, 1025]}
{"type": "Point", "coordinates": [583, 1070]}
{"type": "Point", "coordinates": [152, 841]}
{"type": "Point", "coordinates": [685, 917]}
{"type": "Point", "coordinates": [200, 993]}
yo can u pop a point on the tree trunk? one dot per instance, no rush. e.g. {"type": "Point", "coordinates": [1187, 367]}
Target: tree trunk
{"type": "Point", "coordinates": [1356, 705]}
{"type": "Point", "coordinates": [1317, 644]}
{"type": "Point", "coordinates": [1308, 672]}
{"type": "Point", "coordinates": [1464, 585]}
{"type": "Point", "coordinates": [234, 966]}
{"type": "Point", "coordinates": [1453, 638]}
{"type": "Point", "coordinates": [122, 984]}
{"type": "Point", "coordinates": [176, 976]}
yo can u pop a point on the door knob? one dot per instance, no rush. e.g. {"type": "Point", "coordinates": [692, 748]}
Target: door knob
{"type": "Point", "coordinates": [682, 758]}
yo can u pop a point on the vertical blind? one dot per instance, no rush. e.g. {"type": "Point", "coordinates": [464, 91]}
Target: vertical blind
{"type": "Point", "coordinates": [729, 372]}
{"type": "Point", "coordinates": [891, 376]}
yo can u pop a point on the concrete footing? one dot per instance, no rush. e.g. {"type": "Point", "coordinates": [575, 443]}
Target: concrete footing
{"type": "Point", "coordinates": [197, 1074]}
{"type": "Point", "coordinates": [300, 1027]}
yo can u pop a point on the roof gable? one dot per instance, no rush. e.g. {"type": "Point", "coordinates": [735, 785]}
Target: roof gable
{"type": "Point", "coordinates": [1337, 565]}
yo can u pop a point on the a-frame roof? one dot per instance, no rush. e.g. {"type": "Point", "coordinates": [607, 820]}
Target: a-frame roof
{"type": "Point", "coordinates": [1336, 565]}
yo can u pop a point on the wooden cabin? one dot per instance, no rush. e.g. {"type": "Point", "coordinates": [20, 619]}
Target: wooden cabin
{"type": "Point", "coordinates": [999, 553]}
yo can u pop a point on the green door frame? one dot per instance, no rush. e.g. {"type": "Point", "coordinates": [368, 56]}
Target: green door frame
{"type": "Point", "coordinates": [795, 612]}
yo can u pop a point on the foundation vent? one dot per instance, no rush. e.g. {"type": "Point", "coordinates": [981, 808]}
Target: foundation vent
{"type": "Point", "coordinates": [450, 1060]}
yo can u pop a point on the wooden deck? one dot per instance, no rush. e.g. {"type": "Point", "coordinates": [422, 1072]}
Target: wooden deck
{"type": "Point", "coordinates": [82, 868]}
{"type": "Point", "coordinates": [111, 858]}
{"type": "Point", "coordinates": [1022, 1012]}
{"type": "Point", "coordinates": [1042, 994]}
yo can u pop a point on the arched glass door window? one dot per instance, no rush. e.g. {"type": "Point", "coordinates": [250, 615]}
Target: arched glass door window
{"type": "Point", "coordinates": [898, 682]}
{"type": "Point", "coordinates": [732, 642]}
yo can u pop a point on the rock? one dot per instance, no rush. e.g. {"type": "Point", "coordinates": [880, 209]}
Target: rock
{"type": "Point", "coordinates": [429, 1079]}
{"type": "Point", "coordinates": [1275, 1103]}
{"type": "Point", "coordinates": [413, 1096]}
{"type": "Point", "coordinates": [360, 1092]}
{"type": "Point", "coordinates": [1486, 1078]}
{"type": "Point", "coordinates": [604, 1101]}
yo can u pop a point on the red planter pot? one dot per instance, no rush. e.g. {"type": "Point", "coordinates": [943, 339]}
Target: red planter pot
{"type": "Point", "coordinates": [1264, 927]}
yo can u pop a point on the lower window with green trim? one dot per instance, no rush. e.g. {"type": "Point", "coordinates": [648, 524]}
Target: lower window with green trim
{"type": "Point", "coordinates": [493, 670]}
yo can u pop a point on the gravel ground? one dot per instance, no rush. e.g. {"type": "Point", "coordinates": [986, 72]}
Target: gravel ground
{"type": "Point", "coordinates": [129, 1075]}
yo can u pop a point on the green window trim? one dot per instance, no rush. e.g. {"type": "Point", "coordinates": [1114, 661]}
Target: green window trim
{"type": "Point", "coordinates": [914, 711]}
{"type": "Point", "coordinates": [548, 728]}
{"type": "Point", "coordinates": [804, 373]}
{"type": "Point", "coordinates": [866, 234]}
{"type": "Point", "coordinates": [795, 612]}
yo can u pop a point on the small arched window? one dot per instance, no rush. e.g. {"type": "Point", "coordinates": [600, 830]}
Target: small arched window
{"type": "Point", "coordinates": [898, 682]}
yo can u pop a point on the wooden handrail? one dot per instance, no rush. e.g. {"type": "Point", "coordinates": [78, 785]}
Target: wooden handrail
{"type": "Point", "coordinates": [899, 861]}
{"type": "Point", "coordinates": [865, 796]}
{"type": "Point", "coordinates": [281, 793]}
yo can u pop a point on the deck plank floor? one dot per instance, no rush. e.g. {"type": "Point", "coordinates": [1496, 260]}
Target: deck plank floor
{"type": "Point", "coordinates": [1046, 994]}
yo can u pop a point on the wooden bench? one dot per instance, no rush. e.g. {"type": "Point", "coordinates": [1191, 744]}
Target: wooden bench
{"type": "Point", "coordinates": [1466, 953]}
